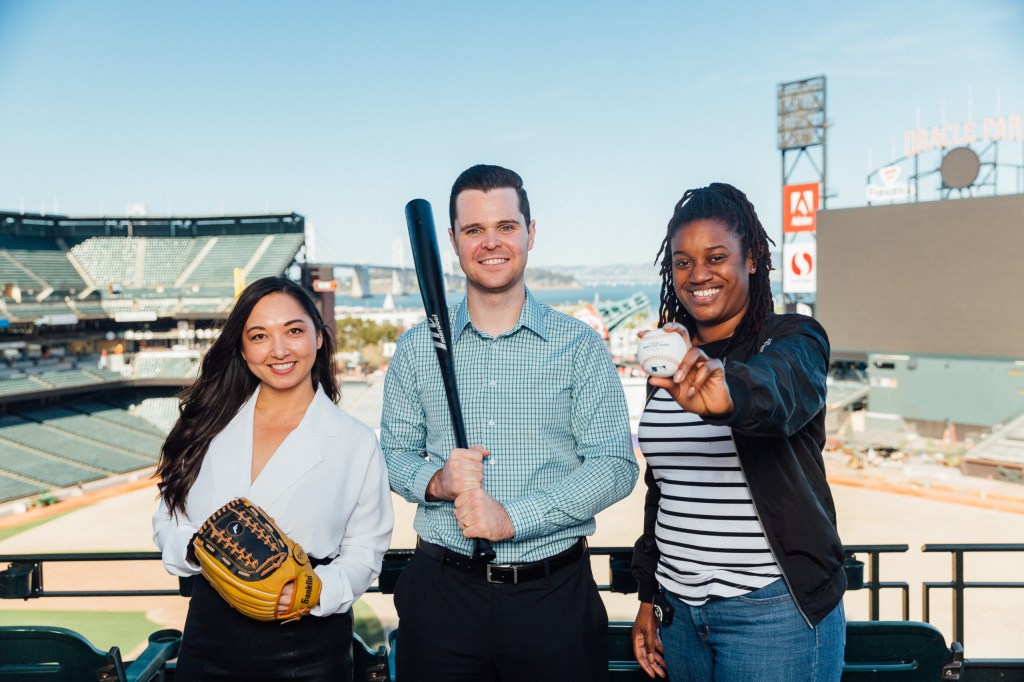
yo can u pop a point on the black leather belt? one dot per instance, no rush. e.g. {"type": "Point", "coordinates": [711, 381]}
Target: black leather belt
{"type": "Point", "coordinates": [504, 574]}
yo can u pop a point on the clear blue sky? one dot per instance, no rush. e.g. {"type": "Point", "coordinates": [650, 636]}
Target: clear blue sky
{"type": "Point", "coordinates": [343, 111]}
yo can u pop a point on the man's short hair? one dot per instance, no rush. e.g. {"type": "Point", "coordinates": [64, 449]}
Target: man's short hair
{"type": "Point", "coordinates": [485, 178]}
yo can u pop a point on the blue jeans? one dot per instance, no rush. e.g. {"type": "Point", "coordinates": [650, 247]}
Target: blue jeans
{"type": "Point", "coordinates": [757, 636]}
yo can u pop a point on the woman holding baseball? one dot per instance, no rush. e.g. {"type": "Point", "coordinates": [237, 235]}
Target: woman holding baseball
{"type": "Point", "coordinates": [740, 556]}
{"type": "Point", "coordinates": [261, 422]}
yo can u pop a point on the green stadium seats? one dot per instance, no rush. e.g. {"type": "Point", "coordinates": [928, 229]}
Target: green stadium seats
{"type": "Point", "coordinates": [368, 664]}
{"type": "Point", "coordinates": [14, 488]}
{"type": "Point", "coordinates": [53, 653]}
{"type": "Point", "coordinates": [894, 650]}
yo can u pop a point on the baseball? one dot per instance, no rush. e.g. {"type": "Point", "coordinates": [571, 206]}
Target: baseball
{"type": "Point", "coordinates": [660, 352]}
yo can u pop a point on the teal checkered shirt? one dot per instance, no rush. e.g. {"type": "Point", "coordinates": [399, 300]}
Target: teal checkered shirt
{"type": "Point", "coordinates": [543, 397]}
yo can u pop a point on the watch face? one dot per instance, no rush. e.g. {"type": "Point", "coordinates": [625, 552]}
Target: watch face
{"type": "Point", "coordinates": [657, 613]}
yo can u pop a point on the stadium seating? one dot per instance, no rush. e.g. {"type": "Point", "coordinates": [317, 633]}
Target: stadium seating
{"type": "Point", "coordinates": [894, 650]}
{"type": "Point", "coordinates": [72, 377]}
{"type": "Point", "coordinates": [64, 445]}
{"type": "Point", "coordinates": [14, 488]}
{"type": "Point", "coordinates": [108, 260]}
{"type": "Point", "coordinates": [229, 252]}
{"type": "Point", "coordinates": [277, 257]}
{"type": "Point", "coordinates": [122, 417]}
{"type": "Point", "coordinates": [80, 424]}
{"type": "Point", "coordinates": [166, 257]}
{"type": "Point", "coordinates": [153, 365]}
{"type": "Point", "coordinates": [43, 468]}
{"type": "Point", "coordinates": [161, 412]}
{"type": "Point", "coordinates": [53, 653]}
{"type": "Point", "coordinates": [35, 311]}
{"type": "Point", "coordinates": [20, 384]}
{"type": "Point", "coordinates": [43, 258]}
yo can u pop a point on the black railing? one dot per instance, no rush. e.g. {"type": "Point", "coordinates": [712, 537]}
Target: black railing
{"type": "Point", "coordinates": [24, 577]}
{"type": "Point", "coordinates": [958, 585]}
{"type": "Point", "coordinates": [874, 584]}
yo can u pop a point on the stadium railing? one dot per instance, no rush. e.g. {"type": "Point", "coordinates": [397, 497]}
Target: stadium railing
{"type": "Point", "coordinates": [876, 650]}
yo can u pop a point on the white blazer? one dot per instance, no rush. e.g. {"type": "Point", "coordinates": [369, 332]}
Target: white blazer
{"type": "Point", "coordinates": [326, 487]}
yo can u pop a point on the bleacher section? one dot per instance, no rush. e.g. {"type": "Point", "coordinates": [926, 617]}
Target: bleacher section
{"type": "Point", "coordinates": [71, 377]}
{"type": "Point", "coordinates": [46, 260]}
{"type": "Point", "coordinates": [43, 258]}
{"type": "Point", "coordinates": [84, 440]}
{"type": "Point", "coordinates": [62, 444]}
{"type": "Point", "coordinates": [277, 257]}
{"type": "Point", "coordinates": [76, 423]}
{"type": "Point", "coordinates": [151, 265]}
{"type": "Point", "coordinates": [167, 257]}
{"type": "Point", "coordinates": [20, 384]}
{"type": "Point", "coordinates": [228, 253]}
{"type": "Point", "coordinates": [155, 365]}
{"type": "Point", "coordinates": [121, 416]}
{"type": "Point", "coordinates": [108, 260]}
{"type": "Point", "coordinates": [45, 448]}
{"type": "Point", "coordinates": [32, 378]}
{"type": "Point", "coordinates": [161, 413]}
{"type": "Point", "coordinates": [27, 377]}
{"type": "Point", "coordinates": [14, 488]}
{"type": "Point", "coordinates": [44, 468]}
{"type": "Point", "coordinates": [173, 266]}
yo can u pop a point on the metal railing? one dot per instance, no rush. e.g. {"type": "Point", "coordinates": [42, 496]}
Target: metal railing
{"type": "Point", "coordinates": [24, 577]}
{"type": "Point", "coordinates": [958, 585]}
{"type": "Point", "coordinates": [874, 584]}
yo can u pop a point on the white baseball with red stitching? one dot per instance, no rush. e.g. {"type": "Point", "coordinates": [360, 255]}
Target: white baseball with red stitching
{"type": "Point", "coordinates": [660, 352]}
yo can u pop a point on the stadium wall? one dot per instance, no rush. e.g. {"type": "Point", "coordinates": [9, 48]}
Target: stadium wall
{"type": "Point", "coordinates": [939, 278]}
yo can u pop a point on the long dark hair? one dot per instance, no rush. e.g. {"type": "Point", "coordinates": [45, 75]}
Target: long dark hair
{"type": "Point", "coordinates": [729, 206]}
{"type": "Point", "coordinates": [223, 386]}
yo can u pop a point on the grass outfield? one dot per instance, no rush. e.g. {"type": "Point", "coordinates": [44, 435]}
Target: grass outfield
{"type": "Point", "coordinates": [128, 629]}
{"type": "Point", "coordinates": [21, 527]}
{"type": "Point", "coordinates": [124, 629]}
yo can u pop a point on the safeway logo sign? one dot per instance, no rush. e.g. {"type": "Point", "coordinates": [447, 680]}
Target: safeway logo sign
{"type": "Point", "coordinates": [800, 271]}
{"type": "Point", "coordinates": [800, 207]}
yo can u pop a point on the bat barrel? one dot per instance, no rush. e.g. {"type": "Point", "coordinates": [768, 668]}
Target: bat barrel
{"type": "Point", "coordinates": [423, 236]}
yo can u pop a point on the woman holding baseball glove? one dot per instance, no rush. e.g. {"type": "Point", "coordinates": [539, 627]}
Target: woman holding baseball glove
{"type": "Point", "coordinates": [277, 497]}
{"type": "Point", "coordinates": [740, 565]}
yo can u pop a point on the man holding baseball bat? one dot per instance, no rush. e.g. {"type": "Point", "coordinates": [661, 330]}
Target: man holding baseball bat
{"type": "Point", "coordinates": [550, 447]}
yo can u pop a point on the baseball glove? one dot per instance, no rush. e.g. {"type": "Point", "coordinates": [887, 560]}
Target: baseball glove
{"type": "Point", "coordinates": [248, 560]}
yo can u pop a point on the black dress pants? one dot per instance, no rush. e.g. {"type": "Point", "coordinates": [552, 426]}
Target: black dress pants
{"type": "Point", "coordinates": [456, 626]}
{"type": "Point", "coordinates": [220, 643]}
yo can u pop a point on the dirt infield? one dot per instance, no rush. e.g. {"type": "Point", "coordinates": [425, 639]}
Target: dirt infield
{"type": "Point", "coordinates": [872, 509]}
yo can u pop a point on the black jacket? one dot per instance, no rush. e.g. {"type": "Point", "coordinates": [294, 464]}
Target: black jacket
{"type": "Point", "coordinates": [778, 425]}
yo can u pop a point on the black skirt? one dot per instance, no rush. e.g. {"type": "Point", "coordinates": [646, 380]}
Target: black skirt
{"type": "Point", "coordinates": [220, 643]}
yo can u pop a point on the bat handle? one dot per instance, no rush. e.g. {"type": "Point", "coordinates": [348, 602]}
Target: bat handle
{"type": "Point", "coordinates": [482, 551]}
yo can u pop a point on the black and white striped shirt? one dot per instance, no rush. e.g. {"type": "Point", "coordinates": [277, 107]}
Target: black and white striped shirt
{"type": "Point", "coordinates": [709, 537]}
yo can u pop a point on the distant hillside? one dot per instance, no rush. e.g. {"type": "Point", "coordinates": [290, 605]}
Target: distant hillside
{"type": "Point", "coordinates": [538, 278]}
{"type": "Point", "coordinates": [618, 273]}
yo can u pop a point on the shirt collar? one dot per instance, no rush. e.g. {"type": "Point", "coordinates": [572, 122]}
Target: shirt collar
{"type": "Point", "coordinates": [531, 317]}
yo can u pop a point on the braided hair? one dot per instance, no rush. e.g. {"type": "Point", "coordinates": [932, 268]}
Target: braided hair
{"type": "Point", "coordinates": [726, 204]}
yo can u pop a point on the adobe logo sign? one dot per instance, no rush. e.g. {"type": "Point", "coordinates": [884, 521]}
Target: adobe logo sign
{"type": "Point", "coordinates": [800, 268]}
{"type": "Point", "coordinates": [799, 207]}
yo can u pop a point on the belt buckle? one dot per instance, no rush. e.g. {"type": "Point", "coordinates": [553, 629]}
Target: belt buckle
{"type": "Point", "coordinates": [515, 574]}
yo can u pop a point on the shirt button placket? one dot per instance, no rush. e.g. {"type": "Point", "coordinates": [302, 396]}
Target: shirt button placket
{"type": "Point", "coordinates": [492, 396]}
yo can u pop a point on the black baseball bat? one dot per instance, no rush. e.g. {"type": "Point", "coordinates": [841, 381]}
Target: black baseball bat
{"type": "Point", "coordinates": [420, 219]}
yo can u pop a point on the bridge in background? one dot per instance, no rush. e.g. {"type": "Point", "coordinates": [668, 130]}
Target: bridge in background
{"type": "Point", "coordinates": [403, 279]}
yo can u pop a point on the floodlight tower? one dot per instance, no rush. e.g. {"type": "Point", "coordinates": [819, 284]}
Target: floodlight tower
{"type": "Point", "coordinates": [802, 137]}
